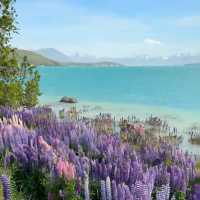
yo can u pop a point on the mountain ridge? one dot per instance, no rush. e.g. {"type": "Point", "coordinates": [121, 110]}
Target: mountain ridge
{"type": "Point", "coordinates": [48, 59]}
{"type": "Point", "coordinates": [141, 60]}
{"type": "Point", "coordinates": [37, 59]}
{"type": "Point", "coordinates": [53, 54]}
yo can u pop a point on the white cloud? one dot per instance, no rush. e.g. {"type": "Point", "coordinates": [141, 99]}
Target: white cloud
{"type": "Point", "coordinates": [189, 22]}
{"type": "Point", "coordinates": [152, 41]}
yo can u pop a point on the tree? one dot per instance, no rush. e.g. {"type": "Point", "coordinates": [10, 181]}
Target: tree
{"type": "Point", "coordinates": [7, 28]}
{"type": "Point", "coordinates": [30, 80]}
{"type": "Point", "coordinates": [15, 78]}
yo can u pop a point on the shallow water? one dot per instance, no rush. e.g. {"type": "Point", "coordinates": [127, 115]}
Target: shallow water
{"type": "Point", "coordinates": [172, 93]}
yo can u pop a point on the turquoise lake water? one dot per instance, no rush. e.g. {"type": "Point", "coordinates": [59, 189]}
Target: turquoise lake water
{"type": "Point", "coordinates": [171, 93]}
{"type": "Point", "coordinates": [175, 87]}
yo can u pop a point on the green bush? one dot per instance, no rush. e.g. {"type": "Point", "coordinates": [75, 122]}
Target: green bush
{"type": "Point", "coordinates": [30, 182]}
{"type": "Point", "coordinates": [35, 184]}
{"type": "Point", "coordinates": [60, 186]}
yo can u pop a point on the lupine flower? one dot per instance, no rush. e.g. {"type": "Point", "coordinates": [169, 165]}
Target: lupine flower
{"type": "Point", "coordinates": [114, 190]}
{"type": "Point", "coordinates": [163, 193]}
{"type": "Point", "coordinates": [139, 128]}
{"type": "Point", "coordinates": [196, 192]}
{"type": "Point", "coordinates": [6, 187]}
{"type": "Point", "coordinates": [134, 174]}
{"type": "Point", "coordinates": [66, 169]}
{"type": "Point", "coordinates": [44, 144]}
{"type": "Point", "coordinates": [103, 190]}
{"type": "Point", "coordinates": [86, 187]}
{"type": "Point", "coordinates": [128, 194]}
{"type": "Point", "coordinates": [108, 189]}
{"type": "Point", "coordinates": [120, 192]}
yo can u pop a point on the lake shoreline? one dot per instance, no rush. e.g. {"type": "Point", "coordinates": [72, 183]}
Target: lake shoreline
{"type": "Point", "coordinates": [181, 119]}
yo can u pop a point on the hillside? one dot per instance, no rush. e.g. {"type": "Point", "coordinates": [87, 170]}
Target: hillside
{"type": "Point", "coordinates": [35, 58]}
{"type": "Point", "coordinates": [54, 54]}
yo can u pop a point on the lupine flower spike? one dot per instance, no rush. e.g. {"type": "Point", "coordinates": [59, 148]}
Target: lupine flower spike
{"type": "Point", "coordinates": [6, 187]}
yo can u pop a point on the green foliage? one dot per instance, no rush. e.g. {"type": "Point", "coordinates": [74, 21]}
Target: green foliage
{"type": "Point", "coordinates": [62, 114]}
{"type": "Point", "coordinates": [94, 190]}
{"type": "Point", "coordinates": [70, 191]}
{"type": "Point", "coordinates": [168, 162]}
{"type": "Point", "coordinates": [19, 82]}
{"type": "Point", "coordinates": [34, 184]}
{"type": "Point", "coordinates": [15, 195]}
{"type": "Point", "coordinates": [31, 86]}
{"type": "Point", "coordinates": [180, 195]}
{"type": "Point", "coordinates": [11, 94]}
{"type": "Point", "coordinates": [195, 181]}
{"type": "Point", "coordinates": [7, 27]}
{"type": "Point", "coordinates": [198, 165]}
{"type": "Point", "coordinates": [60, 187]}
{"type": "Point", "coordinates": [30, 182]}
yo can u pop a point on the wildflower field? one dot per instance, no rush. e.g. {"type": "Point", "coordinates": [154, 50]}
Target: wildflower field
{"type": "Point", "coordinates": [43, 157]}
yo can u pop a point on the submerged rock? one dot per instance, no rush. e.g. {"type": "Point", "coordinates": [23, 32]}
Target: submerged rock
{"type": "Point", "coordinates": [68, 100]}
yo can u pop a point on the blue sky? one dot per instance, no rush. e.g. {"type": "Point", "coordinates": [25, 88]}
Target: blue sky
{"type": "Point", "coordinates": [114, 28]}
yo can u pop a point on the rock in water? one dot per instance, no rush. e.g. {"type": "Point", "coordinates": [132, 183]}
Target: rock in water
{"type": "Point", "coordinates": [68, 100]}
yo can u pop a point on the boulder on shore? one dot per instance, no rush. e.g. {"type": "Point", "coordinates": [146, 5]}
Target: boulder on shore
{"type": "Point", "coordinates": [68, 100]}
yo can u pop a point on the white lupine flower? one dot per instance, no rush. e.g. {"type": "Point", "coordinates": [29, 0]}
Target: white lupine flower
{"type": "Point", "coordinates": [108, 189]}
{"type": "Point", "coordinates": [86, 187]}
{"type": "Point", "coordinates": [103, 190]}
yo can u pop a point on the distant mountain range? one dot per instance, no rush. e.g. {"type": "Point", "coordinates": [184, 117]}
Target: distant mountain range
{"type": "Point", "coordinates": [53, 57]}
{"type": "Point", "coordinates": [75, 59]}
{"type": "Point", "coordinates": [142, 60]}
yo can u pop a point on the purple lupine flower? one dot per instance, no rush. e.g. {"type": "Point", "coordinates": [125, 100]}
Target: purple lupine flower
{"type": "Point", "coordinates": [196, 192]}
{"type": "Point", "coordinates": [6, 187]}
{"type": "Point", "coordinates": [105, 171]}
{"type": "Point", "coordinates": [103, 190]}
{"type": "Point", "coordinates": [114, 190]}
{"type": "Point", "coordinates": [120, 192]}
{"type": "Point", "coordinates": [128, 195]}
{"type": "Point", "coordinates": [99, 154]}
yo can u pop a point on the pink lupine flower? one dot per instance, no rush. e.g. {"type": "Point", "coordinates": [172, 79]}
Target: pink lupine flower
{"type": "Point", "coordinates": [139, 128]}
{"type": "Point", "coordinates": [44, 144]}
{"type": "Point", "coordinates": [66, 169]}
